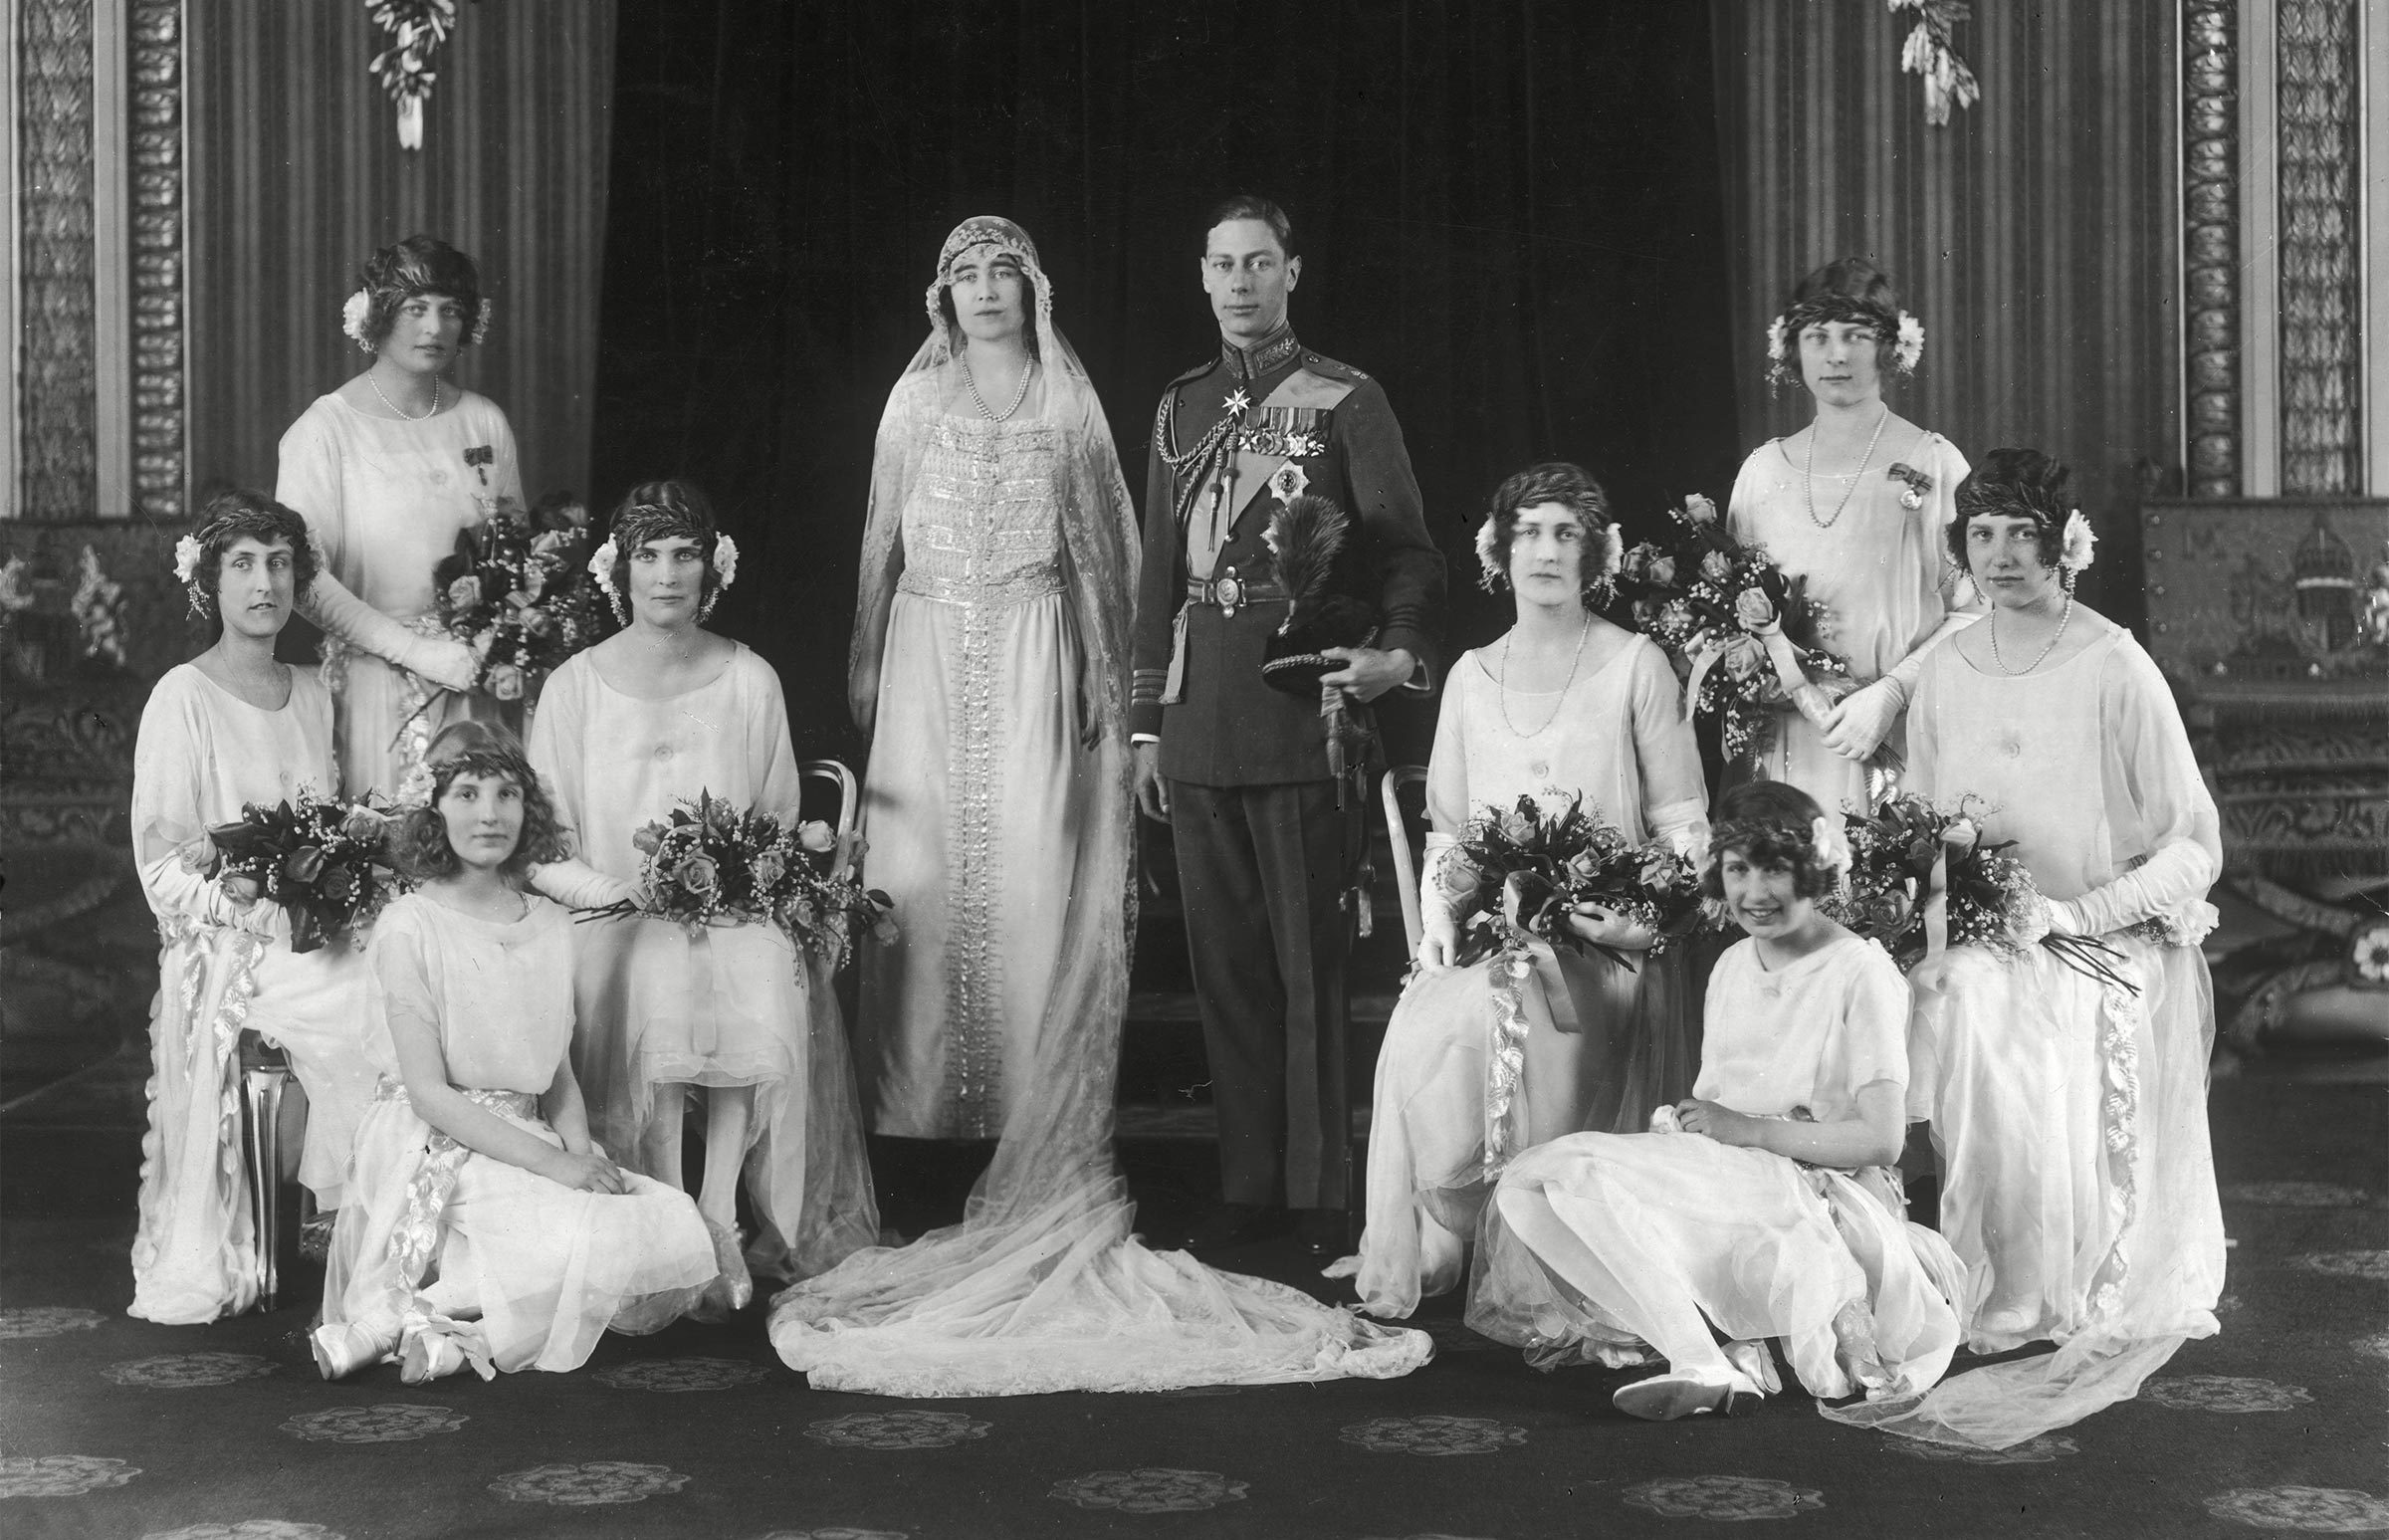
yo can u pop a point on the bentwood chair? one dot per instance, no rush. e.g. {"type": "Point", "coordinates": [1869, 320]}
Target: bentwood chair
{"type": "Point", "coordinates": [848, 821]}
{"type": "Point", "coordinates": [1397, 837]}
{"type": "Point", "coordinates": [265, 1078]}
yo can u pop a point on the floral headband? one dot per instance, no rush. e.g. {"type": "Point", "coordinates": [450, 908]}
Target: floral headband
{"type": "Point", "coordinates": [1828, 844]}
{"type": "Point", "coordinates": [2077, 544]}
{"type": "Point", "coordinates": [641, 522]}
{"type": "Point", "coordinates": [360, 307]}
{"type": "Point", "coordinates": [1493, 577]}
{"type": "Point", "coordinates": [1900, 329]}
{"type": "Point", "coordinates": [192, 548]}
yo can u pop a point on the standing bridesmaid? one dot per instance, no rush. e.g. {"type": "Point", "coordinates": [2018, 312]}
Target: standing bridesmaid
{"type": "Point", "coordinates": [387, 469]}
{"type": "Point", "coordinates": [1855, 503]}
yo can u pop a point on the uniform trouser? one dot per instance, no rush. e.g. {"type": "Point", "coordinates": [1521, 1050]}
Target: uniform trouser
{"type": "Point", "coordinates": [1261, 870]}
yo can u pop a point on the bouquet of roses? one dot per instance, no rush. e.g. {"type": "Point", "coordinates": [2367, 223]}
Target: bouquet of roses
{"type": "Point", "coordinates": [516, 591]}
{"type": "Point", "coordinates": [1749, 637]}
{"type": "Point", "coordinates": [1988, 898]}
{"type": "Point", "coordinates": [326, 861]}
{"type": "Point", "coordinates": [1531, 868]}
{"type": "Point", "coordinates": [709, 863]}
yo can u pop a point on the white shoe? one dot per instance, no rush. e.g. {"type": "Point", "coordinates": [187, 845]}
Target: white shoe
{"type": "Point", "coordinates": [1666, 1397]}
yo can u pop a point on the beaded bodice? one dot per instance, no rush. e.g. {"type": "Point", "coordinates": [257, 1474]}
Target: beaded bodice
{"type": "Point", "coordinates": [984, 523]}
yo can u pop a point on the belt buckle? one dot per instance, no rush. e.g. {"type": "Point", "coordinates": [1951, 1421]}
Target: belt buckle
{"type": "Point", "coordinates": [1230, 591]}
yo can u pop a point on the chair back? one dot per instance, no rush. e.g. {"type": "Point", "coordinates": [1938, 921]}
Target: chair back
{"type": "Point", "coordinates": [1405, 858]}
{"type": "Point", "coordinates": [847, 823]}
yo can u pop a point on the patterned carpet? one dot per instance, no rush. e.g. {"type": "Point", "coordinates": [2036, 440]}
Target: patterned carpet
{"type": "Point", "coordinates": [111, 1427]}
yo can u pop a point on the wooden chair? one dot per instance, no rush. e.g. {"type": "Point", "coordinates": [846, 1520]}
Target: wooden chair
{"type": "Point", "coordinates": [265, 1077]}
{"type": "Point", "coordinates": [1397, 837]}
{"type": "Point", "coordinates": [848, 820]}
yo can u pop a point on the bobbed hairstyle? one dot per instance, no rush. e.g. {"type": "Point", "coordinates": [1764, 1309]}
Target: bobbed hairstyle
{"type": "Point", "coordinates": [671, 509]}
{"type": "Point", "coordinates": [1030, 299]}
{"type": "Point", "coordinates": [1249, 205]}
{"type": "Point", "coordinates": [470, 748]}
{"type": "Point", "coordinates": [2016, 484]}
{"type": "Point", "coordinates": [240, 514]}
{"type": "Point", "coordinates": [420, 264]}
{"type": "Point", "coordinates": [1554, 481]}
{"type": "Point", "coordinates": [1773, 824]}
{"type": "Point", "coordinates": [1845, 289]}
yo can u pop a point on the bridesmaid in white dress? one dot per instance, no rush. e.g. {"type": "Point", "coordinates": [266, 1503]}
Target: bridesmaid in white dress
{"type": "Point", "coordinates": [486, 1227]}
{"type": "Point", "coordinates": [1767, 1203]}
{"type": "Point", "coordinates": [2071, 1114]}
{"type": "Point", "coordinates": [387, 469]}
{"type": "Point", "coordinates": [1855, 503]}
{"type": "Point", "coordinates": [658, 713]}
{"type": "Point", "coordinates": [228, 728]}
{"type": "Point", "coordinates": [1566, 704]}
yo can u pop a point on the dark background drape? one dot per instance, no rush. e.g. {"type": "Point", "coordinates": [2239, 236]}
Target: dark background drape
{"type": "Point", "coordinates": [1511, 214]}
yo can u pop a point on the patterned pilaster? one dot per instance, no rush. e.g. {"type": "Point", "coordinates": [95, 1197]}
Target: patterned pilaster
{"type": "Point", "coordinates": [55, 395]}
{"type": "Point", "coordinates": [2211, 242]}
{"type": "Point", "coordinates": [155, 68]}
{"type": "Point", "coordinates": [2322, 307]}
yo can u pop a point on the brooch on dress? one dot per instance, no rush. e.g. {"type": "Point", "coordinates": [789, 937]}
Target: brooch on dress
{"type": "Point", "coordinates": [479, 457]}
{"type": "Point", "coordinates": [1915, 484]}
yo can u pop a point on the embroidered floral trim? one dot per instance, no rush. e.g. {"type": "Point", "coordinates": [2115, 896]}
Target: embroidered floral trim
{"type": "Point", "coordinates": [2120, 1110]}
{"type": "Point", "coordinates": [1506, 973]}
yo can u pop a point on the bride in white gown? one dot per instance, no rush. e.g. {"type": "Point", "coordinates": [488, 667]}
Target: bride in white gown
{"type": "Point", "coordinates": [1042, 1286]}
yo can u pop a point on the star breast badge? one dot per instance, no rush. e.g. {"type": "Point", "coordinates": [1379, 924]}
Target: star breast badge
{"type": "Point", "coordinates": [1238, 403]}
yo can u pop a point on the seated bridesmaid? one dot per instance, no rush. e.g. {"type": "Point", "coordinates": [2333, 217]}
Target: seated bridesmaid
{"type": "Point", "coordinates": [1563, 704]}
{"type": "Point", "coordinates": [1769, 1207]}
{"type": "Point", "coordinates": [484, 1226]}
{"type": "Point", "coordinates": [232, 726]}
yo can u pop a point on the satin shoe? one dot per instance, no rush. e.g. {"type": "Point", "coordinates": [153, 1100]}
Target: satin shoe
{"type": "Point", "coordinates": [1668, 1397]}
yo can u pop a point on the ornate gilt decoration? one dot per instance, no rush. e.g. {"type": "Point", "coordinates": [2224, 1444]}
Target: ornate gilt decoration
{"type": "Point", "coordinates": [155, 68]}
{"type": "Point", "coordinates": [2321, 302]}
{"type": "Point", "coordinates": [2211, 242]}
{"type": "Point", "coordinates": [57, 405]}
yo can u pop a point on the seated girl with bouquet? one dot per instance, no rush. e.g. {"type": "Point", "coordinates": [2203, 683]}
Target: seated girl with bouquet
{"type": "Point", "coordinates": [484, 1226]}
{"type": "Point", "coordinates": [1765, 1206]}
{"type": "Point", "coordinates": [734, 1014]}
{"type": "Point", "coordinates": [233, 726]}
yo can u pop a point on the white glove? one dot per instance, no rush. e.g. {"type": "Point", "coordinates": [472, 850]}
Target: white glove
{"type": "Point", "coordinates": [443, 660]}
{"type": "Point", "coordinates": [1857, 725]}
{"type": "Point", "coordinates": [578, 885]}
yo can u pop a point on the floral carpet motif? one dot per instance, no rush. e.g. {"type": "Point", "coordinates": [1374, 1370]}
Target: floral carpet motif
{"type": "Point", "coordinates": [835, 1532]}
{"type": "Point", "coordinates": [2224, 1392]}
{"type": "Point", "coordinates": [2349, 1264]}
{"type": "Point", "coordinates": [248, 1529]}
{"type": "Point", "coordinates": [1432, 1434]}
{"type": "Point", "coordinates": [682, 1374]}
{"type": "Point", "coordinates": [392, 1423]}
{"type": "Point", "coordinates": [2297, 1195]}
{"type": "Point", "coordinates": [188, 1370]}
{"type": "Point", "coordinates": [2315, 1510]}
{"type": "Point", "coordinates": [1726, 1499]}
{"type": "Point", "coordinates": [1149, 1490]}
{"type": "Point", "coordinates": [61, 1475]}
{"type": "Point", "coordinates": [2033, 1452]}
{"type": "Point", "coordinates": [2376, 1345]}
{"type": "Point", "coordinates": [590, 1485]}
{"type": "Point", "coordinates": [46, 1321]}
{"type": "Point", "coordinates": [897, 1430]}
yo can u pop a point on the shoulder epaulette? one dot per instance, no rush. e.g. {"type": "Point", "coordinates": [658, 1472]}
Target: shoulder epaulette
{"type": "Point", "coordinates": [1195, 373]}
{"type": "Point", "coordinates": [1320, 363]}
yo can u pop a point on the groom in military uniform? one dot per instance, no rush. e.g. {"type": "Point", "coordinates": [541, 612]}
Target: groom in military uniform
{"type": "Point", "coordinates": [1239, 770]}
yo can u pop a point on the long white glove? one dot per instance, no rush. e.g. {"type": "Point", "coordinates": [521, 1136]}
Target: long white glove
{"type": "Point", "coordinates": [1444, 881]}
{"type": "Point", "coordinates": [1864, 718]}
{"type": "Point", "coordinates": [173, 886]}
{"type": "Point", "coordinates": [2172, 882]}
{"type": "Point", "coordinates": [441, 659]}
{"type": "Point", "coordinates": [577, 885]}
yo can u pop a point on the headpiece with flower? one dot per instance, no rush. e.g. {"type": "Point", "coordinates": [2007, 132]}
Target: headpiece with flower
{"type": "Point", "coordinates": [1903, 331]}
{"type": "Point", "coordinates": [228, 516]}
{"type": "Point", "coordinates": [641, 522]}
{"type": "Point", "coordinates": [396, 273]}
{"type": "Point", "coordinates": [2027, 484]}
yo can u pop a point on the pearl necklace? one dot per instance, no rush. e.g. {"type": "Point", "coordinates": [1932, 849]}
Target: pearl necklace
{"type": "Point", "coordinates": [979, 401]}
{"type": "Point", "coordinates": [1501, 682]}
{"type": "Point", "coordinates": [2018, 673]}
{"type": "Point", "coordinates": [1809, 475]}
{"type": "Point", "coordinates": [393, 406]}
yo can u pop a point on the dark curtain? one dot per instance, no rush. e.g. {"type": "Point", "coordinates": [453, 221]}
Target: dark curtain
{"type": "Point", "coordinates": [1509, 213]}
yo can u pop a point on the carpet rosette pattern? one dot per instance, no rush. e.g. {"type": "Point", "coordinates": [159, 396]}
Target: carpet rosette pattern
{"type": "Point", "coordinates": [2033, 1452]}
{"type": "Point", "coordinates": [46, 1321]}
{"type": "Point", "coordinates": [189, 1371]}
{"type": "Point", "coordinates": [2349, 1264]}
{"type": "Point", "coordinates": [248, 1529]}
{"type": "Point", "coordinates": [2224, 1392]}
{"type": "Point", "coordinates": [594, 1484]}
{"type": "Point", "coordinates": [675, 1375]}
{"type": "Point", "coordinates": [62, 1476]}
{"type": "Point", "coordinates": [1726, 1499]}
{"type": "Point", "coordinates": [1434, 1436]}
{"type": "Point", "coordinates": [897, 1430]}
{"type": "Point", "coordinates": [2313, 1511]}
{"type": "Point", "coordinates": [392, 1424]}
{"type": "Point", "coordinates": [1153, 1489]}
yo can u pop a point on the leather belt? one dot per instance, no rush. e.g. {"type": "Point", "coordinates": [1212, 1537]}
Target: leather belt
{"type": "Point", "coordinates": [1231, 593]}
